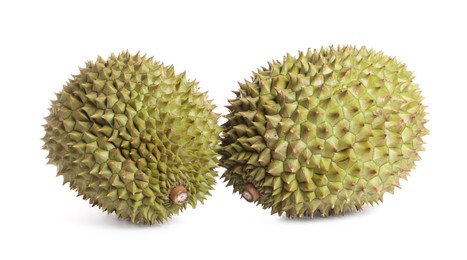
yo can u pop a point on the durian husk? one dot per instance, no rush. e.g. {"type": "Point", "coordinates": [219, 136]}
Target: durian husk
{"type": "Point", "coordinates": [325, 132]}
{"type": "Point", "coordinates": [125, 131]}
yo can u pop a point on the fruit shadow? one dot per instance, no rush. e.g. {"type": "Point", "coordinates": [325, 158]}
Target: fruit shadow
{"type": "Point", "coordinates": [317, 218]}
{"type": "Point", "coordinates": [113, 222]}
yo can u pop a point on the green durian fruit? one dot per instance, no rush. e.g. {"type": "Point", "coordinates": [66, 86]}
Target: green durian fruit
{"type": "Point", "coordinates": [134, 138]}
{"type": "Point", "coordinates": [325, 132]}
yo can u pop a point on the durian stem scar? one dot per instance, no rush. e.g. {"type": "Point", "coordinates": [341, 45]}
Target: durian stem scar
{"type": "Point", "coordinates": [179, 195]}
{"type": "Point", "coordinates": [250, 193]}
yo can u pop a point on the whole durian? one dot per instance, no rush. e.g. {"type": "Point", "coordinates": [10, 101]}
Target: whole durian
{"type": "Point", "coordinates": [325, 132]}
{"type": "Point", "coordinates": [134, 138]}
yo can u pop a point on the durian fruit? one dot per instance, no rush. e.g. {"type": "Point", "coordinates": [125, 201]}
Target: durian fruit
{"type": "Point", "coordinates": [323, 133]}
{"type": "Point", "coordinates": [134, 138]}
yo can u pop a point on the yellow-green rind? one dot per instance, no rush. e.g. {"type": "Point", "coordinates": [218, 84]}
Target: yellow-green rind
{"type": "Point", "coordinates": [126, 130]}
{"type": "Point", "coordinates": [325, 132]}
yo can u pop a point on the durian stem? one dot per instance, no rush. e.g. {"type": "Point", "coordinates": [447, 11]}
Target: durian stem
{"type": "Point", "coordinates": [250, 193]}
{"type": "Point", "coordinates": [179, 195]}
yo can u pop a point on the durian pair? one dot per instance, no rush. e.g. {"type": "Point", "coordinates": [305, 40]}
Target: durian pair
{"type": "Point", "coordinates": [325, 132]}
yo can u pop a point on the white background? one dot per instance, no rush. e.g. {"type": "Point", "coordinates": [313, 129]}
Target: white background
{"type": "Point", "coordinates": [42, 43]}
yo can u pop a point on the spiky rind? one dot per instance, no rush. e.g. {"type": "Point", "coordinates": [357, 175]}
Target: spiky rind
{"type": "Point", "coordinates": [126, 130]}
{"type": "Point", "coordinates": [325, 132]}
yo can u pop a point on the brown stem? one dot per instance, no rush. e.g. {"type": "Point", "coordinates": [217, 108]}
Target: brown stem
{"type": "Point", "coordinates": [250, 193]}
{"type": "Point", "coordinates": [179, 195]}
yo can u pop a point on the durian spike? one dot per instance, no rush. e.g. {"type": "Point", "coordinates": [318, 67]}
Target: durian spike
{"type": "Point", "coordinates": [179, 195]}
{"type": "Point", "coordinates": [250, 193]}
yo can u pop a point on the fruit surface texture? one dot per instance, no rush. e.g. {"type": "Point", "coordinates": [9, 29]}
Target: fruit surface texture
{"type": "Point", "coordinates": [134, 138]}
{"type": "Point", "coordinates": [325, 132]}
